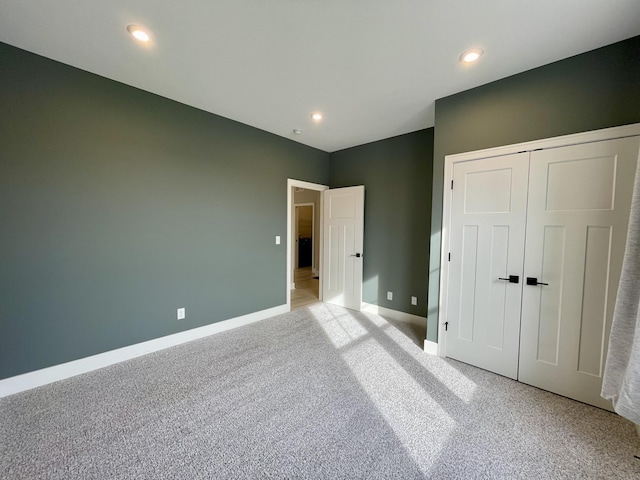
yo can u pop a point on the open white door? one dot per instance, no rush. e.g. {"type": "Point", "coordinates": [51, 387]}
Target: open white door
{"type": "Point", "coordinates": [343, 239]}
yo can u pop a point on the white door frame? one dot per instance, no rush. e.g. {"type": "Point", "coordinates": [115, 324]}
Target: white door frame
{"type": "Point", "coordinates": [449, 160]}
{"type": "Point", "coordinates": [313, 232]}
{"type": "Point", "coordinates": [291, 183]}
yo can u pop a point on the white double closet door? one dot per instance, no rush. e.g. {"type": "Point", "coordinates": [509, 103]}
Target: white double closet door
{"type": "Point", "coordinates": [536, 242]}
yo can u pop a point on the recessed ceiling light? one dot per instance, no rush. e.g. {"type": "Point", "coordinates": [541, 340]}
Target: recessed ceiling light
{"type": "Point", "coordinates": [471, 55]}
{"type": "Point", "coordinates": [317, 116]}
{"type": "Point", "coordinates": [138, 33]}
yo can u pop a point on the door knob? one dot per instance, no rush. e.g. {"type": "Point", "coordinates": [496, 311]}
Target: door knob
{"type": "Point", "coordinates": [534, 281]}
{"type": "Point", "coordinates": [511, 279]}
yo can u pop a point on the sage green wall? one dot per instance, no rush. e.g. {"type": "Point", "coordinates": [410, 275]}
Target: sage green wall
{"type": "Point", "coordinates": [118, 206]}
{"type": "Point", "coordinates": [396, 173]}
{"type": "Point", "coordinates": [595, 90]}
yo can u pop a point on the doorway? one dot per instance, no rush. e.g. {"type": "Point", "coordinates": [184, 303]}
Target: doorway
{"type": "Point", "coordinates": [305, 236]}
{"type": "Point", "coordinates": [303, 280]}
{"type": "Point", "coordinates": [306, 281]}
{"type": "Point", "coordinates": [340, 224]}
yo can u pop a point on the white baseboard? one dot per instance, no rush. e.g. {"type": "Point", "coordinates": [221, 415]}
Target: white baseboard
{"type": "Point", "coordinates": [430, 347]}
{"type": "Point", "coordinates": [34, 379]}
{"type": "Point", "coordinates": [394, 314]}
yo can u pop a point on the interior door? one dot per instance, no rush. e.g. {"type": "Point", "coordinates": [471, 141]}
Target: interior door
{"type": "Point", "coordinates": [579, 201]}
{"type": "Point", "coordinates": [343, 239]}
{"type": "Point", "coordinates": [489, 199]}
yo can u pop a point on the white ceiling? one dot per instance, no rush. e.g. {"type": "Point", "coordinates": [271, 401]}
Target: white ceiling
{"type": "Point", "coordinates": [373, 67]}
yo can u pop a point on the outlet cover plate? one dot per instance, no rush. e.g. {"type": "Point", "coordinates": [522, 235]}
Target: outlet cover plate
{"type": "Point", "coordinates": [182, 313]}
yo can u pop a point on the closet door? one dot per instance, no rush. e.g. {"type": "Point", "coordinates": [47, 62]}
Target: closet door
{"type": "Point", "coordinates": [579, 199]}
{"type": "Point", "coordinates": [488, 206]}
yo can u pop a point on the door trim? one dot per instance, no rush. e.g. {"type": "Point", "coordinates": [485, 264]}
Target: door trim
{"type": "Point", "coordinates": [450, 160]}
{"type": "Point", "coordinates": [291, 183]}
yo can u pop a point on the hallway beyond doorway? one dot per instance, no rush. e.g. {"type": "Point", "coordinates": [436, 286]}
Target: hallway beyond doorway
{"type": "Point", "coordinates": [307, 288]}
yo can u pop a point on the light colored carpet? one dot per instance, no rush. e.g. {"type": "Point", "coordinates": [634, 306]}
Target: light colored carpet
{"type": "Point", "coordinates": [321, 392]}
{"type": "Point", "coordinates": [416, 333]}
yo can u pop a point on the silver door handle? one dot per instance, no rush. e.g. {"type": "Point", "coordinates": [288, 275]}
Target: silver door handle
{"type": "Point", "coordinates": [357, 255]}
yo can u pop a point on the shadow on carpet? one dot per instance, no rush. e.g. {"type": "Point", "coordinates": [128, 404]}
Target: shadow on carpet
{"type": "Point", "coordinates": [322, 392]}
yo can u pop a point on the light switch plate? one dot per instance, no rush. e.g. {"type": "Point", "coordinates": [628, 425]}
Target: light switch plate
{"type": "Point", "coordinates": [277, 239]}
{"type": "Point", "coordinates": [182, 313]}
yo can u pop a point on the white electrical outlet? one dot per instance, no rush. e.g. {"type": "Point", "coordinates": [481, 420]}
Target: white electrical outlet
{"type": "Point", "coordinates": [277, 239]}
{"type": "Point", "coordinates": [389, 295]}
{"type": "Point", "coordinates": [414, 300]}
{"type": "Point", "coordinates": [182, 313]}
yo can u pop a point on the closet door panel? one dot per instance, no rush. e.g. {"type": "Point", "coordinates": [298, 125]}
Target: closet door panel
{"type": "Point", "coordinates": [577, 216]}
{"type": "Point", "coordinates": [487, 243]}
